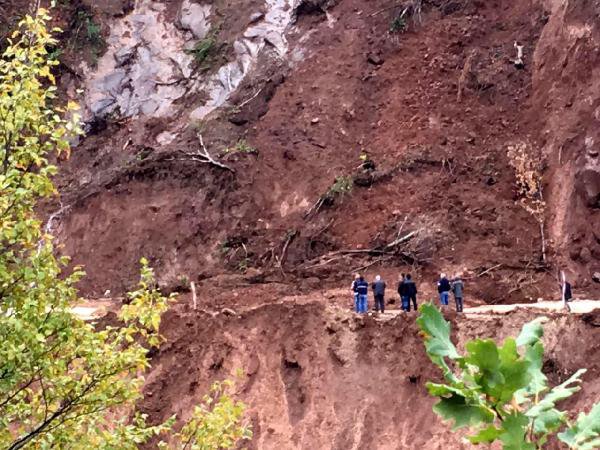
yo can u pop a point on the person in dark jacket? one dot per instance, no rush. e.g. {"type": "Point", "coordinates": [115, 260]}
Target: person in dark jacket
{"type": "Point", "coordinates": [567, 295]}
{"type": "Point", "coordinates": [444, 289]}
{"type": "Point", "coordinates": [410, 291]}
{"type": "Point", "coordinates": [361, 287]}
{"type": "Point", "coordinates": [568, 292]}
{"type": "Point", "coordinates": [378, 287]}
{"type": "Point", "coordinates": [457, 289]}
{"type": "Point", "coordinates": [402, 293]}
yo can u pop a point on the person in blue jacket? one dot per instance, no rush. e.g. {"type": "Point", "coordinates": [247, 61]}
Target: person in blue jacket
{"type": "Point", "coordinates": [361, 288]}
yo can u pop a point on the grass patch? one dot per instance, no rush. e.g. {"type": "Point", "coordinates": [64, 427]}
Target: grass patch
{"type": "Point", "coordinates": [242, 147]}
{"type": "Point", "coordinates": [203, 49]}
{"type": "Point", "coordinates": [87, 34]}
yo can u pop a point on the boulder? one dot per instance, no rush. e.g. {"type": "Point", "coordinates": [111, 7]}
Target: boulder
{"type": "Point", "coordinates": [194, 17]}
{"type": "Point", "coordinates": [588, 186]}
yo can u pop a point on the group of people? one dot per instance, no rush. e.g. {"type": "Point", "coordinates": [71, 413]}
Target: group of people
{"type": "Point", "coordinates": [407, 290]}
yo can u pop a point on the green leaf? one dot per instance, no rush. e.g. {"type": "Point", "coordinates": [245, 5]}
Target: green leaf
{"type": "Point", "coordinates": [437, 332]}
{"type": "Point", "coordinates": [437, 337]}
{"type": "Point", "coordinates": [531, 332]}
{"type": "Point", "coordinates": [560, 392]}
{"type": "Point", "coordinates": [548, 421]}
{"type": "Point", "coordinates": [585, 433]}
{"type": "Point", "coordinates": [443, 390]}
{"type": "Point", "coordinates": [485, 436]}
{"type": "Point", "coordinates": [514, 370]}
{"type": "Point", "coordinates": [534, 355]}
{"type": "Point", "coordinates": [457, 408]}
{"type": "Point", "coordinates": [500, 372]}
{"type": "Point", "coordinates": [514, 431]}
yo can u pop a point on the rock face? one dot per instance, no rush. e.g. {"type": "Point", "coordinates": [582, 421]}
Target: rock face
{"type": "Point", "coordinates": [268, 30]}
{"type": "Point", "coordinates": [146, 68]}
{"type": "Point", "coordinates": [142, 70]}
{"type": "Point", "coordinates": [569, 132]}
{"type": "Point", "coordinates": [195, 18]}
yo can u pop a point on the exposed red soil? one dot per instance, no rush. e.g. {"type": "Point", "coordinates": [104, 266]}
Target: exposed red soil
{"type": "Point", "coordinates": [318, 377]}
{"type": "Point", "coordinates": [440, 164]}
{"type": "Point", "coordinates": [314, 375]}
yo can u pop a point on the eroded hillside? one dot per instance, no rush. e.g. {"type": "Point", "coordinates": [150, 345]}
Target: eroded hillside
{"type": "Point", "coordinates": [341, 139]}
{"type": "Point", "coordinates": [293, 97]}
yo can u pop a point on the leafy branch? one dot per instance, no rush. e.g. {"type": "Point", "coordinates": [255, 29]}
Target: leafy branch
{"type": "Point", "coordinates": [500, 392]}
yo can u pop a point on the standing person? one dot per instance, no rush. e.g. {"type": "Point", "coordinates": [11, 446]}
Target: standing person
{"type": "Point", "coordinates": [457, 289]}
{"type": "Point", "coordinates": [565, 289]}
{"type": "Point", "coordinates": [379, 293]}
{"type": "Point", "coordinates": [355, 292]}
{"type": "Point", "coordinates": [402, 293]}
{"type": "Point", "coordinates": [410, 288]}
{"type": "Point", "coordinates": [362, 289]}
{"type": "Point", "coordinates": [444, 289]}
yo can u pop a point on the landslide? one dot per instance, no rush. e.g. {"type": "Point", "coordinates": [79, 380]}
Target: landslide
{"type": "Point", "coordinates": [434, 109]}
{"type": "Point", "coordinates": [319, 377]}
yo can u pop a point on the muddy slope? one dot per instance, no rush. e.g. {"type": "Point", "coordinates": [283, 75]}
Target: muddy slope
{"type": "Point", "coordinates": [434, 108]}
{"type": "Point", "coordinates": [567, 112]}
{"type": "Point", "coordinates": [318, 377]}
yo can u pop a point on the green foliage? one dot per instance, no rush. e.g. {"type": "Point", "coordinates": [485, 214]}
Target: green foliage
{"type": "Point", "coordinates": [585, 433]}
{"type": "Point", "coordinates": [204, 48]}
{"type": "Point", "coordinates": [87, 34]}
{"type": "Point", "coordinates": [63, 384]}
{"type": "Point", "coordinates": [399, 24]}
{"type": "Point", "coordinates": [241, 147]}
{"type": "Point", "coordinates": [215, 424]}
{"type": "Point", "coordinates": [342, 185]}
{"type": "Point", "coordinates": [500, 391]}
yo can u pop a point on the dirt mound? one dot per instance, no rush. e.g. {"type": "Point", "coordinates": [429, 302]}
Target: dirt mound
{"type": "Point", "coordinates": [319, 377]}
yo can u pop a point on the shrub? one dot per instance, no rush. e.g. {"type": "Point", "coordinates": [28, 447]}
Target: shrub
{"type": "Point", "coordinates": [241, 147]}
{"type": "Point", "coordinates": [341, 186]}
{"type": "Point", "coordinates": [87, 34]}
{"type": "Point", "coordinates": [204, 48]}
{"type": "Point", "coordinates": [398, 24]}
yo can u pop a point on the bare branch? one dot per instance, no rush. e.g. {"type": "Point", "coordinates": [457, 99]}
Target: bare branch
{"type": "Point", "coordinates": [203, 156]}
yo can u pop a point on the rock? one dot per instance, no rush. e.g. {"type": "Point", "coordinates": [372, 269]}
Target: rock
{"type": "Point", "coordinates": [255, 17]}
{"type": "Point", "coordinates": [575, 253]}
{"type": "Point", "coordinates": [588, 186]}
{"type": "Point", "coordinates": [254, 275]}
{"type": "Point", "coordinates": [194, 17]}
{"type": "Point", "coordinates": [238, 119]}
{"type": "Point", "coordinates": [114, 82]}
{"type": "Point", "coordinates": [596, 277]}
{"type": "Point", "coordinates": [102, 106]}
{"type": "Point", "coordinates": [375, 59]}
{"type": "Point", "coordinates": [228, 312]}
{"type": "Point", "coordinates": [312, 282]}
{"type": "Point", "coordinates": [124, 55]}
{"type": "Point", "coordinates": [315, 120]}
